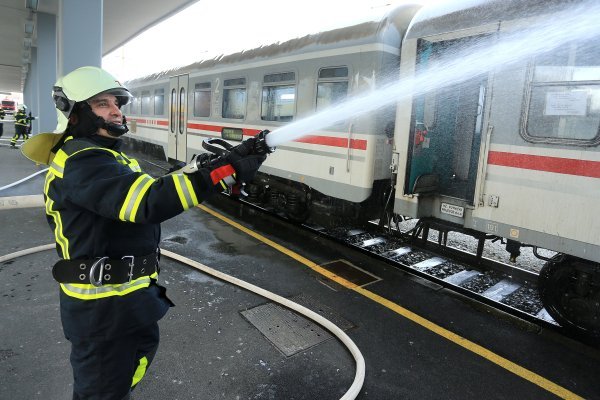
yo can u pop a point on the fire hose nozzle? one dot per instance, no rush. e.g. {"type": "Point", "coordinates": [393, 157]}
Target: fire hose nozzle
{"type": "Point", "coordinates": [261, 146]}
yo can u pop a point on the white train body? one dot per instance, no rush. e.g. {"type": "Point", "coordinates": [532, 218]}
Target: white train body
{"type": "Point", "coordinates": [305, 75]}
{"type": "Point", "coordinates": [519, 156]}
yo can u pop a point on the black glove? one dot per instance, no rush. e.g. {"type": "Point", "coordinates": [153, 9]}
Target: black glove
{"type": "Point", "coordinates": [256, 145]}
{"type": "Point", "coordinates": [245, 166]}
{"type": "Point", "coordinates": [231, 170]}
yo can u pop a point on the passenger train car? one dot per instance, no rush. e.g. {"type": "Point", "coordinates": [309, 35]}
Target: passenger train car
{"type": "Point", "coordinates": [334, 170]}
{"type": "Point", "coordinates": [510, 152]}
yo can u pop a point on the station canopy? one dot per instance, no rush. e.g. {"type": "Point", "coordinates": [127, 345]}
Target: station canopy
{"type": "Point", "coordinates": [122, 21]}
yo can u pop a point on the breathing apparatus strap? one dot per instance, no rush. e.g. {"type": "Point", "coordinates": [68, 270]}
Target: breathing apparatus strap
{"type": "Point", "coordinates": [59, 144]}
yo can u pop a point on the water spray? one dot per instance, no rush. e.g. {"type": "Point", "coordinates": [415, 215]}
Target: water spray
{"type": "Point", "coordinates": [579, 22]}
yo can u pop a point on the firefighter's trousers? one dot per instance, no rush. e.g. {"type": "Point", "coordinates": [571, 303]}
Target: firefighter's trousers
{"type": "Point", "coordinates": [109, 370]}
{"type": "Point", "coordinates": [20, 130]}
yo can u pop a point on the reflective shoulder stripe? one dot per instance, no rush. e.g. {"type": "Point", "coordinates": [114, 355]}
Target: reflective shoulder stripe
{"type": "Point", "coordinates": [134, 197]}
{"type": "Point", "coordinates": [134, 165]}
{"type": "Point", "coordinates": [90, 292]}
{"type": "Point", "coordinates": [57, 167]}
{"type": "Point", "coordinates": [72, 147]}
{"type": "Point", "coordinates": [185, 191]}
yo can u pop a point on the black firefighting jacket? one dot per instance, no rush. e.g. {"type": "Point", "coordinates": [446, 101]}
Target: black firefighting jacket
{"type": "Point", "coordinates": [99, 203]}
{"type": "Point", "coordinates": [21, 118]}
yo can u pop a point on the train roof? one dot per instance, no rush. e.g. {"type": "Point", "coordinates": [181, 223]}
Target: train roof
{"type": "Point", "coordinates": [452, 16]}
{"type": "Point", "coordinates": [389, 30]}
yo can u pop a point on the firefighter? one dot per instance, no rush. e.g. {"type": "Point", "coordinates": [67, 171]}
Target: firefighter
{"type": "Point", "coordinates": [106, 213]}
{"type": "Point", "coordinates": [2, 115]}
{"type": "Point", "coordinates": [21, 125]}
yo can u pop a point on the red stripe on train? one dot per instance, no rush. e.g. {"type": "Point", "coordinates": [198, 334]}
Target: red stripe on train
{"type": "Point", "coordinates": [557, 165]}
{"type": "Point", "coordinates": [356, 144]}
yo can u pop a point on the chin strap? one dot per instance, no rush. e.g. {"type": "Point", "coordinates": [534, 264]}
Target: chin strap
{"type": "Point", "coordinates": [90, 122]}
{"type": "Point", "coordinates": [115, 130]}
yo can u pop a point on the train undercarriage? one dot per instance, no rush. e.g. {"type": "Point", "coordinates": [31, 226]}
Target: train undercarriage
{"type": "Point", "coordinates": [569, 287]}
{"type": "Point", "coordinates": [301, 204]}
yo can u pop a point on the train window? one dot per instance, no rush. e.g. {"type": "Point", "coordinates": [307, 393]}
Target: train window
{"type": "Point", "coordinates": [338, 72]}
{"type": "Point", "coordinates": [332, 86]}
{"type": "Point", "coordinates": [234, 98]}
{"type": "Point", "coordinates": [279, 78]}
{"type": "Point", "coordinates": [278, 97]}
{"type": "Point", "coordinates": [182, 121]}
{"type": "Point", "coordinates": [563, 105]}
{"type": "Point", "coordinates": [173, 109]}
{"type": "Point", "coordinates": [146, 102]}
{"type": "Point", "coordinates": [202, 99]}
{"type": "Point", "coordinates": [159, 102]}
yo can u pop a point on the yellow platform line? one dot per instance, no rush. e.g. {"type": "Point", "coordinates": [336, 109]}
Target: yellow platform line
{"type": "Point", "coordinates": [433, 327]}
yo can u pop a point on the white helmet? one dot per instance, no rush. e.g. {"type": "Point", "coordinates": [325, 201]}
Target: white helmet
{"type": "Point", "coordinates": [82, 84]}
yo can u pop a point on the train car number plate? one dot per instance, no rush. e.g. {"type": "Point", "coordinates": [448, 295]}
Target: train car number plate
{"type": "Point", "coordinates": [451, 209]}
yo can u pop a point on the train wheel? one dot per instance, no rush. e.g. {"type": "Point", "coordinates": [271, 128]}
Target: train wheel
{"type": "Point", "coordinates": [570, 291]}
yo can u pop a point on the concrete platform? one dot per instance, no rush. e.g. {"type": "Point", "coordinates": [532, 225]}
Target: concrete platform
{"type": "Point", "coordinates": [419, 342]}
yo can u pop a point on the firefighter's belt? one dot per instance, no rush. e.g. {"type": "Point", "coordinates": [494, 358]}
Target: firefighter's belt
{"type": "Point", "coordinates": [104, 270]}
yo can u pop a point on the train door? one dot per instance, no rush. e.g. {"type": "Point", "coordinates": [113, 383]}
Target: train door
{"type": "Point", "coordinates": [446, 131]}
{"type": "Point", "coordinates": [177, 146]}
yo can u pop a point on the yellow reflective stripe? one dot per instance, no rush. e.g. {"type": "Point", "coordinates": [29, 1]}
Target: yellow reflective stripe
{"type": "Point", "coordinates": [134, 165]}
{"type": "Point", "coordinates": [119, 158]}
{"type": "Point", "coordinates": [191, 191]}
{"type": "Point", "coordinates": [134, 197]}
{"type": "Point", "coordinates": [90, 292]}
{"type": "Point", "coordinates": [49, 178]}
{"type": "Point", "coordinates": [185, 191]}
{"type": "Point", "coordinates": [58, 163]}
{"type": "Point", "coordinates": [59, 236]}
{"type": "Point", "coordinates": [140, 371]}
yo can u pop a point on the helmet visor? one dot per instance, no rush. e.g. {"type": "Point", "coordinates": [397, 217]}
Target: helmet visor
{"type": "Point", "coordinates": [123, 96]}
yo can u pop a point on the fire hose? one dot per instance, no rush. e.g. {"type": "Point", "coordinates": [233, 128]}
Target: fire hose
{"type": "Point", "coordinates": [359, 376]}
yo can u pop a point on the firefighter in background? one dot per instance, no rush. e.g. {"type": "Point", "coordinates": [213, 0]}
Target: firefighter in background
{"type": "Point", "coordinates": [22, 122]}
{"type": "Point", "coordinates": [106, 214]}
{"type": "Point", "coordinates": [2, 115]}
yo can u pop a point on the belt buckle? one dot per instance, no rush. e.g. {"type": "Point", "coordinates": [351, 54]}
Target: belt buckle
{"type": "Point", "coordinates": [131, 264]}
{"type": "Point", "coordinates": [98, 262]}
